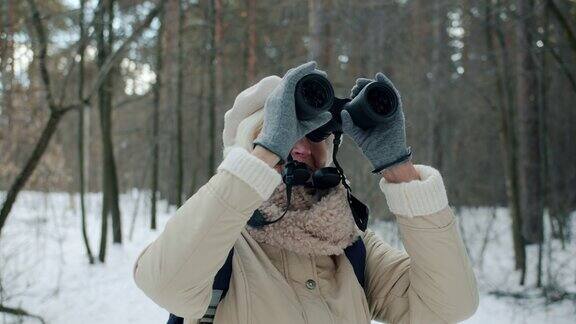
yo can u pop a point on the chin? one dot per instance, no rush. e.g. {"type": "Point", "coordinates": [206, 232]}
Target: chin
{"type": "Point", "coordinates": [319, 165]}
{"type": "Point", "coordinates": [309, 162]}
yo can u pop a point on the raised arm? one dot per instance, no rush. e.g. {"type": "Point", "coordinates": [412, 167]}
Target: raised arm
{"type": "Point", "coordinates": [177, 269]}
{"type": "Point", "coordinates": [433, 281]}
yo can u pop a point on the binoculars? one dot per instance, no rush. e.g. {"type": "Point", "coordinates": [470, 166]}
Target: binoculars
{"type": "Point", "coordinates": [373, 105]}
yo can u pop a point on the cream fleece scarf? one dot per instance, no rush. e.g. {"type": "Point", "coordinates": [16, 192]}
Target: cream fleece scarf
{"type": "Point", "coordinates": [319, 222]}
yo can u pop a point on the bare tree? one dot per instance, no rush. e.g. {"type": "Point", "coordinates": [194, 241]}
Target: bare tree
{"type": "Point", "coordinates": [435, 78]}
{"type": "Point", "coordinates": [156, 120]}
{"type": "Point", "coordinates": [102, 103]}
{"type": "Point", "coordinates": [251, 43]}
{"type": "Point", "coordinates": [81, 130]}
{"type": "Point", "coordinates": [564, 23]}
{"type": "Point", "coordinates": [215, 23]}
{"type": "Point", "coordinates": [179, 97]}
{"type": "Point", "coordinates": [507, 127]}
{"type": "Point", "coordinates": [56, 114]}
{"type": "Point", "coordinates": [529, 160]}
{"type": "Point", "coordinates": [7, 53]}
{"type": "Point", "coordinates": [58, 110]}
{"type": "Point", "coordinates": [110, 204]}
{"type": "Point", "coordinates": [319, 28]}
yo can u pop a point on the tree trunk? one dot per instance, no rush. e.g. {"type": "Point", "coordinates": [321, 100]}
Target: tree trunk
{"type": "Point", "coordinates": [214, 13]}
{"type": "Point", "coordinates": [507, 126]}
{"type": "Point", "coordinates": [529, 127]}
{"type": "Point", "coordinates": [7, 54]}
{"type": "Point", "coordinates": [104, 227]}
{"type": "Point", "coordinates": [102, 103]}
{"type": "Point", "coordinates": [199, 128]}
{"type": "Point", "coordinates": [113, 174]}
{"type": "Point", "coordinates": [436, 115]}
{"type": "Point", "coordinates": [218, 79]}
{"type": "Point", "coordinates": [81, 130]}
{"type": "Point", "coordinates": [156, 121]}
{"type": "Point", "coordinates": [110, 203]}
{"type": "Point", "coordinates": [543, 114]}
{"type": "Point", "coordinates": [557, 201]}
{"type": "Point", "coordinates": [319, 28]}
{"type": "Point", "coordinates": [251, 43]}
{"type": "Point", "coordinates": [24, 175]}
{"type": "Point", "coordinates": [179, 97]}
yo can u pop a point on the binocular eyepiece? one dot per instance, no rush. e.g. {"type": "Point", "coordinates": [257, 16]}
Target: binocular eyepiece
{"type": "Point", "coordinates": [314, 95]}
{"type": "Point", "coordinates": [373, 105]}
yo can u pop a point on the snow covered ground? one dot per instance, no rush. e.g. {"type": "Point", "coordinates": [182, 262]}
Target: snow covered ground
{"type": "Point", "coordinates": [43, 267]}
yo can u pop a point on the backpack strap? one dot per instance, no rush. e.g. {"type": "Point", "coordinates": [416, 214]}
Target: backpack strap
{"type": "Point", "coordinates": [356, 254]}
{"type": "Point", "coordinates": [219, 290]}
{"type": "Point", "coordinates": [173, 319]}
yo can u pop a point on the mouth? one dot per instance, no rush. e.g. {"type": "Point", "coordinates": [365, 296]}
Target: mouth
{"type": "Point", "coordinates": [308, 160]}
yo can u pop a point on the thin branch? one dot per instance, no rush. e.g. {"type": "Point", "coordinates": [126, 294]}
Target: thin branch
{"type": "Point", "coordinates": [56, 112]}
{"type": "Point", "coordinates": [479, 92]}
{"type": "Point", "coordinates": [564, 23]}
{"type": "Point", "coordinates": [80, 45]}
{"type": "Point", "coordinates": [19, 312]}
{"type": "Point", "coordinates": [42, 53]}
{"type": "Point", "coordinates": [65, 109]}
{"type": "Point", "coordinates": [125, 103]}
{"type": "Point", "coordinates": [113, 59]}
{"type": "Point", "coordinates": [563, 66]}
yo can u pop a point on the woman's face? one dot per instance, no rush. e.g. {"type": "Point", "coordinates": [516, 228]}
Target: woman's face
{"type": "Point", "coordinates": [311, 153]}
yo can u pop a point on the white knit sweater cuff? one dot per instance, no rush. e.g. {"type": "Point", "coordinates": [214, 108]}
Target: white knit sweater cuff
{"type": "Point", "coordinates": [255, 172]}
{"type": "Point", "coordinates": [417, 197]}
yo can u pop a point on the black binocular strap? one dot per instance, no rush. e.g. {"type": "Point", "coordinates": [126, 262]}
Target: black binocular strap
{"type": "Point", "coordinates": [359, 210]}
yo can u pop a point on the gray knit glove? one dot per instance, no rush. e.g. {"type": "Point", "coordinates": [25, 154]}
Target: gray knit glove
{"type": "Point", "coordinates": [281, 128]}
{"type": "Point", "coordinates": [385, 144]}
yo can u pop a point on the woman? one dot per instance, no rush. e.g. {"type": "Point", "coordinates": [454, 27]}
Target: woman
{"type": "Point", "coordinates": [294, 270]}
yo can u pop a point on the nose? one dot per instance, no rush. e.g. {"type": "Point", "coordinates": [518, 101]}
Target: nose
{"type": "Point", "coordinates": [302, 148]}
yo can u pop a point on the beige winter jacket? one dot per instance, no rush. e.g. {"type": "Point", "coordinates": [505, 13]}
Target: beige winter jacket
{"type": "Point", "coordinates": [430, 283]}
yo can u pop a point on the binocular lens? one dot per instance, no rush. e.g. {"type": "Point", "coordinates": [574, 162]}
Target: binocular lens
{"type": "Point", "coordinates": [382, 100]}
{"type": "Point", "coordinates": [314, 95]}
{"type": "Point", "coordinates": [373, 105]}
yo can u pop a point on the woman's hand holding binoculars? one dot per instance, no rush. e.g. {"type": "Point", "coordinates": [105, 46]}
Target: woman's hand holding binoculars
{"type": "Point", "coordinates": [282, 129]}
{"type": "Point", "coordinates": [385, 143]}
{"type": "Point", "coordinates": [303, 104]}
